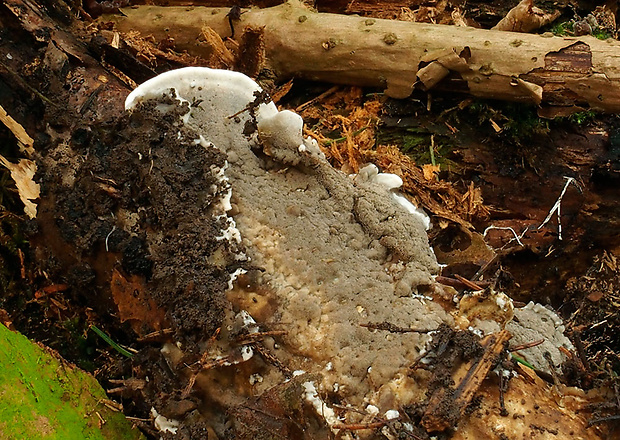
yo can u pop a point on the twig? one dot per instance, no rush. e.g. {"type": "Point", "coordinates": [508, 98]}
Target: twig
{"type": "Point", "coordinates": [576, 337]}
{"type": "Point", "coordinates": [557, 206]}
{"type": "Point", "coordinates": [603, 419]}
{"type": "Point", "coordinates": [526, 345]}
{"type": "Point", "coordinates": [452, 282]}
{"type": "Point", "coordinates": [502, 385]}
{"type": "Point", "coordinates": [256, 337]}
{"type": "Point", "coordinates": [23, 83]}
{"type": "Point", "coordinates": [359, 426]}
{"type": "Point", "coordinates": [155, 335]}
{"type": "Point", "coordinates": [483, 269]}
{"type": "Point", "coordinates": [22, 264]}
{"type": "Point", "coordinates": [340, 139]}
{"type": "Point", "coordinates": [554, 374]}
{"type": "Point", "coordinates": [323, 95]}
{"type": "Point", "coordinates": [393, 328]}
{"type": "Point", "coordinates": [469, 284]}
{"type": "Point", "coordinates": [272, 359]}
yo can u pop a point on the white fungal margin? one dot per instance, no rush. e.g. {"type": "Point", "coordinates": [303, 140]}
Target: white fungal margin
{"type": "Point", "coordinates": [391, 183]}
{"type": "Point", "coordinates": [322, 409]}
{"type": "Point", "coordinates": [164, 424]}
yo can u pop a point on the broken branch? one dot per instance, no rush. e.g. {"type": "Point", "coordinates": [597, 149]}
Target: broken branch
{"type": "Point", "coordinates": [447, 405]}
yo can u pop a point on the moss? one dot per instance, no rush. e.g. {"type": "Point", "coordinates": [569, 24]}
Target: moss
{"type": "Point", "coordinates": [519, 123]}
{"type": "Point", "coordinates": [43, 397]}
{"type": "Point", "coordinates": [581, 118]}
{"type": "Point", "coordinates": [562, 29]}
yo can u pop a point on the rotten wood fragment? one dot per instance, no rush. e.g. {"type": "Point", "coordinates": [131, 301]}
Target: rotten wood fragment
{"type": "Point", "coordinates": [525, 17]}
{"type": "Point", "coordinates": [562, 74]}
{"type": "Point", "coordinates": [448, 404]}
{"type": "Point", "coordinates": [24, 141]}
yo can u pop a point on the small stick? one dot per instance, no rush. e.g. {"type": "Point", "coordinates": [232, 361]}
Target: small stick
{"type": "Point", "coordinates": [581, 350]}
{"type": "Point", "coordinates": [359, 426]}
{"type": "Point", "coordinates": [272, 359]}
{"type": "Point", "coordinates": [502, 405]}
{"type": "Point", "coordinates": [483, 269]}
{"type": "Point", "coordinates": [526, 345]}
{"type": "Point", "coordinates": [255, 337]}
{"type": "Point", "coordinates": [393, 328]}
{"type": "Point", "coordinates": [452, 282]}
{"type": "Point", "coordinates": [470, 284]}
{"type": "Point", "coordinates": [155, 335]}
{"type": "Point", "coordinates": [323, 95]}
{"type": "Point", "coordinates": [603, 419]}
{"type": "Point", "coordinates": [102, 421]}
{"type": "Point", "coordinates": [556, 379]}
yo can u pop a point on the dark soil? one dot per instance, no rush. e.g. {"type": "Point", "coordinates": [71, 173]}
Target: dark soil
{"type": "Point", "coordinates": [141, 203]}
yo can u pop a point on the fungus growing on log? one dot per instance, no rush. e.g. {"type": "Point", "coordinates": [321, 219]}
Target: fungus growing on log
{"type": "Point", "coordinates": [327, 253]}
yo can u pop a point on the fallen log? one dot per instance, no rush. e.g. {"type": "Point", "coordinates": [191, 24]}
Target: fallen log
{"type": "Point", "coordinates": [561, 74]}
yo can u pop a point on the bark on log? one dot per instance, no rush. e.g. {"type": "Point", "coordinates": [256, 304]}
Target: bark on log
{"type": "Point", "coordinates": [564, 74]}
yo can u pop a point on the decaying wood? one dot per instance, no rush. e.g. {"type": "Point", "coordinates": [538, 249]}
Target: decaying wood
{"type": "Point", "coordinates": [24, 141]}
{"type": "Point", "coordinates": [565, 74]}
{"type": "Point", "coordinates": [98, 89]}
{"type": "Point", "coordinates": [525, 17]}
{"type": "Point", "coordinates": [447, 405]}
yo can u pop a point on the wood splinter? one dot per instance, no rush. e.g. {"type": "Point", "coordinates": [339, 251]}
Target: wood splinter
{"type": "Point", "coordinates": [447, 405]}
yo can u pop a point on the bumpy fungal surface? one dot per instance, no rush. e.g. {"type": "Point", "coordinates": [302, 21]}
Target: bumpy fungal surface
{"type": "Point", "coordinates": [331, 252]}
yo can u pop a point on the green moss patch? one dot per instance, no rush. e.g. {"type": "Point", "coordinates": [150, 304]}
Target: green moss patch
{"type": "Point", "coordinates": [44, 397]}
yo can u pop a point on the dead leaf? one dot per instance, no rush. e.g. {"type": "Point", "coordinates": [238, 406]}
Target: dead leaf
{"type": "Point", "coordinates": [496, 127]}
{"type": "Point", "coordinates": [281, 91]}
{"type": "Point", "coordinates": [430, 171]}
{"type": "Point", "coordinates": [22, 173]}
{"type": "Point", "coordinates": [24, 141]}
{"type": "Point", "coordinates": [135, 304]}
{"type": "Point", "coordinates": [595, 296]}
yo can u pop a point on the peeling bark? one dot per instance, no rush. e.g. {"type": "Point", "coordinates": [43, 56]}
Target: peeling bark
{"type": "Point", "coordinates": [562, 74]}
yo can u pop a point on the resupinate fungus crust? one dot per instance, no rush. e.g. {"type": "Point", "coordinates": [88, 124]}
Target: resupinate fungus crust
{"type": "Point", "coordinates": [331, 251]}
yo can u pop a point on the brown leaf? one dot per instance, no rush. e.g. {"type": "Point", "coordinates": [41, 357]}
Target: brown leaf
{"type": "Point", "coordinates": [430, 171]}
{"type": "Point", "coordinates": [135, 304]}
{"type": "Point", "coordinates": [595, 296]}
